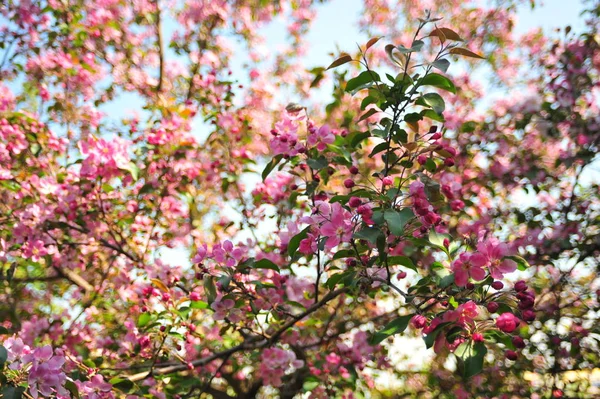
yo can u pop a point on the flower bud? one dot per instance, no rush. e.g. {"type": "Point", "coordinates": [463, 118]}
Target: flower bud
{"type": "Point", "coordinates": [518, 342]}
{"type": "Point", "coordinates": [349, 183]}
{"type": "Point", "coordinates": [511, 355]}
{"type": "Point", "coordinates": [492, 307]}
{"type": "Point", "coordinates": [520, 286]}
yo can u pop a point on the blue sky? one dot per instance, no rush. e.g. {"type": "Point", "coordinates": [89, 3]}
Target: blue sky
{"type": "Point", "coordinates": [336, 29]}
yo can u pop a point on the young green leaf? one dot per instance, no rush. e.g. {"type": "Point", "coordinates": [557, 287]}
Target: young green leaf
{"type": "Point", "coordinates": [441, 64]}
{"type": "Point", "coordinates": [395, 327]}
{"type": "Point", "coordinates": [439, 81]}
{"type": "Point", "coordinates": [396, 220]}
{"type": "Point", "coordinates": [435, 101]}
{"type": "Point", "coordinates": [472, 355]}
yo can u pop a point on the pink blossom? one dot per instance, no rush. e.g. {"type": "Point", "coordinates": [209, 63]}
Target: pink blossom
{"type": "Point", "coordinates": [494, 253]}
{"type": "Point", "coordinates": [468, 265]}
{"type": "Point", "coordinates": [320, 137]}
{"type": "Point", "coordinates": [275, 362]}
{"type": "Point", "coordinates": [338, 226]}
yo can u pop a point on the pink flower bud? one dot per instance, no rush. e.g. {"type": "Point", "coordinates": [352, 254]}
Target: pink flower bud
{"type": "Point", "coordinates": [507, 322]}
{"type": "Point", "coordinates": [477, 337]}
{"type": "Point", "coordinates": [419, 321]}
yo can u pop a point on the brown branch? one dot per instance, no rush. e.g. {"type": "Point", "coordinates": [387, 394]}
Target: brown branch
{"type": "Point", "coordinates": [250, 344]}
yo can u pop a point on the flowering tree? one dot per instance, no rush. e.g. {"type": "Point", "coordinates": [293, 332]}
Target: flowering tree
{"type": "Point", "coordinates": [313, 236]}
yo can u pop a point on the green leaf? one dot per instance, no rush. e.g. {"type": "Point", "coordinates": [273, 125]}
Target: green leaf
{"type": "Point", "coordinates": [318, 163]}
{"type": "Point", "coordinates": [295, 241]}
{"type": "Point", "coordinates": [441, 64]}
{"type": "Point", "coordinates": [368, 233]}
{"type": "Point", "coordinates": [397, 220]}
{"type": "Point", "coordinates": [417, 45]}
{"type": "Point", "coordinates": [367, 101]}
{"type": "Point", "coordinates": [3, 355]}
{"type": "Point", "coordinates": [439, 81]}
{"type": "Point", "coordinates": [210, 289]}
{"type": "Point", "coordinates": [435, 101]}
{"type": "Point", "coordinates": [122, 384]}
{"type": "Point", "coordinates": [430, 165]}
{"type": "Point", "coordinates": [143, 319]}
{"type": "Point", "coordinates": [356, 139]}
{"type": "Point", "coordinates": [271, 165]}
{"type": "Point", "coordinates": [368, 114]}
{"type": "Point", "coordinates": [446, 281]}
{"type": "Point", "coordinates": [522, 264]}
{"type": "Point", "coordinates": [364, 80]}
{"type": "Point", "coordinates": [198, 305]}
{"type": "Point", "coordinates": [428, 113]}
{"type": "Point", "coordinates": [401, 260]}
{"type": "Point", "coordinates": [395, 327]}
{"type": "Point", "coordinates": [472, 355]}
{"type": "Point", "coordinates": [4, 330]}
{"type": "Point", "coordinates": [378, 148]}
{"type": "Point", "coordinates": [133, 170]}
{"type": "Point", "coordinates": [437, 239]}
{"type": "Point", "coordinates": [265, 264]}
{"type": "Point", "coordinates": [311, 384]}
{"type": "Point", "coordinates": [72, 387]}
{"type": "Point", "coordinates": [11, 392]}
{"type": "Point", "coordinates": [430, 338]}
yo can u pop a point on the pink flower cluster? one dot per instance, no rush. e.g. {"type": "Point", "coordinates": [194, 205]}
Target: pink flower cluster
{"type": "Point", "coordinates": [422, 208]}
{"type": "Point", "coordinates": [102, 157]}
{"type": "Point", "coordinates": [225, 254]}
{"type": "Point", "coordinates": [274, 189]}
{"type": "Point", "coordinates": [46, 376]}
{"type": "Point", "coordinates": [491, 254]}
{"type": "Point", "coordinates": [95, 388]}
{"type": "Point", "coordinates": [330, 220]}
{"type": "Point", "coordinates": [285, 137]}
{"type": "Point", "coordinates": [462, 316]}
{"type": "Point", "coordinates": [319, 137]}
{"type": "Point", "coordinates": [275, 362]}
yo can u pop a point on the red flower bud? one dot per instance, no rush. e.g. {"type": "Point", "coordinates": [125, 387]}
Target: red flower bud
{"type": "Point", "coordinates": [492, 307]}
{"type": "Point", "coordinates": [520, 286]}
{"type": "Point", "coordinates": [349, 183]}
{"type": "Point", "coordinates": [355, 202]}
{"type": "Point", "coordinates": [518, 342]}
{"type": "Point", "coordinates": [512, 355]}
{"type": "Point", "coordinates": [497, 285]}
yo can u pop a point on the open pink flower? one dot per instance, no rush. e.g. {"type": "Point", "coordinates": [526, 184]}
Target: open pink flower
{"type": "Point", "coordinates": [494, 253]}
{"type": "Point", "coordinates": [320, 137]}
{"type": "Point", "coordinates": [339, 226]}
{"type": "Point", "coordinates": [468, 265]}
